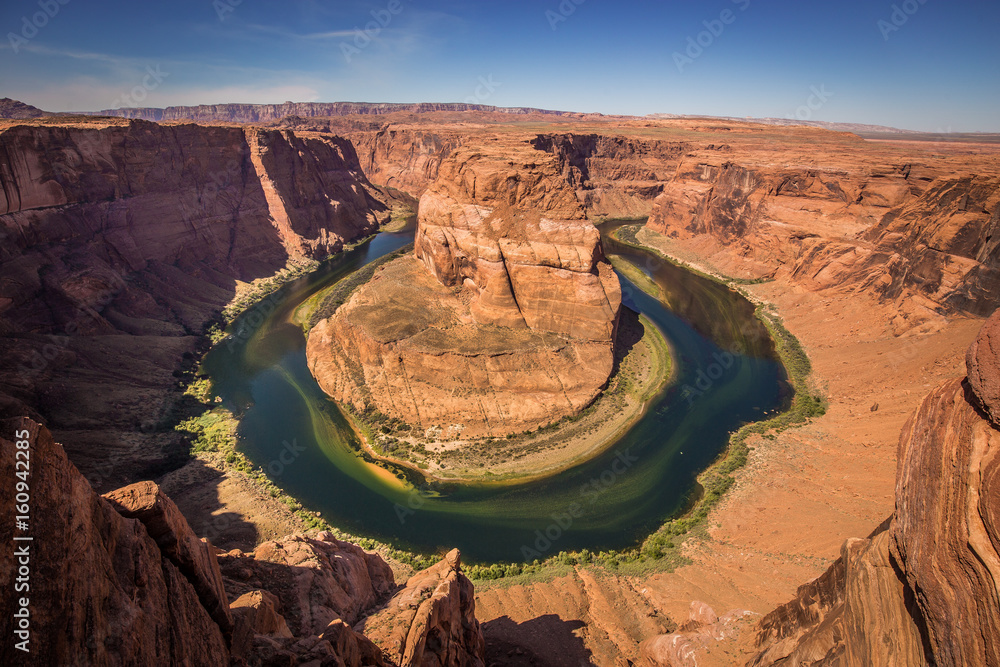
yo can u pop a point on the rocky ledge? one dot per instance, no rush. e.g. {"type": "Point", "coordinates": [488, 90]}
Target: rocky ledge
{"type": "Point", "coordinates": [123, 580]}
{"type": "Point", "coordinates": [505, 319]}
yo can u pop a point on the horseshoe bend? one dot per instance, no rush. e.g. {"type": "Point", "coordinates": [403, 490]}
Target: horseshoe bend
{"type": "Point", "coordinates": [789, 332]}
{"type": "Point", "coordinates": [503, 320]}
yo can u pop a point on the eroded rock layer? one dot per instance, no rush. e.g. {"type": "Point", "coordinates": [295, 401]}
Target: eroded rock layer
{"type": "Point", "coordinates": [123, 580]}
{"type": "Point", "coordinates": [923, 590]}
{"type": "Point", "coordinates": [121, 239]}
{"type": "Point", "coordinates": [503, 322]}
{"type": "Point", "coordinates": [892, 229]}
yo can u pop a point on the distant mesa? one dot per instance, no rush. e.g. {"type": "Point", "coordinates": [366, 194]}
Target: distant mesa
{"type": "Point", "coordinates": [266, 113]}
{"type": "Point", "coordinates": [19, 110]}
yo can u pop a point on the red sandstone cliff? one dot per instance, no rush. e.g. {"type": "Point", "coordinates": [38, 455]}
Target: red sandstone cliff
{"type": "Point", "coordinates": [922, 589]}
{"type": "Point", "coordinates": [122, 238]}
{"type": "Point", "coordinates": [123, 580]}
{"type": "Point", "coordinates": [891, 229]}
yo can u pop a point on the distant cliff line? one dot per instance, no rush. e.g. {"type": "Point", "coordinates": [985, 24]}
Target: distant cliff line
{"type": "Point", "coordinates": [263, 113]}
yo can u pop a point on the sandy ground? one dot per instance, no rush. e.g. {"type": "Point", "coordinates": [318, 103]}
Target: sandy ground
{"type": "Point", "coordinates": [800, 496]}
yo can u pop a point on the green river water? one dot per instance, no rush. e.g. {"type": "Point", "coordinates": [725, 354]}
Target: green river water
{"type": "Point", "coordinates": [726, 375]}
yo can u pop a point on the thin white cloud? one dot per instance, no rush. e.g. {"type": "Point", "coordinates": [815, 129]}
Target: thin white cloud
{"type": "Point", "coordinates": [309, 37]}
{"type": "Point", "coordinates": [42, 50]}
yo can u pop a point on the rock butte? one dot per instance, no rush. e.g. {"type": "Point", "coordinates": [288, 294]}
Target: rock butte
{"type": "Point", "coordinates": [121, 238]}
{"type": "Point", "coordinates": [504, 320]}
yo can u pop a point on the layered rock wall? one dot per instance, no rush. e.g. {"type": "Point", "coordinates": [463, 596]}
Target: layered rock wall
{"type": "Point", "coordinates": [123, 580]}
{"type": "Point", "coordinates": [120, 240]}
{"type": "Point", "coordinates": [922, 591]}
{"type": "Point", "coordinates": [891, 230]}
{"type": "Point", "coordinates": [259, 113]}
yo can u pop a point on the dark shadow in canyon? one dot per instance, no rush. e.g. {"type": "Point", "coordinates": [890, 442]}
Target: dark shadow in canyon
{"type": "Point", "coordinates": [545, 641]}
{"type": "Point", "coordinates": [630, 332]}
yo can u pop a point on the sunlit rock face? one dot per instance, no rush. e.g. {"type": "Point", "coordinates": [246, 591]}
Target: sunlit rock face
{"type": "Point", "coordinates": [921, 590]}
{"type": "Point", "coordinates": [503, 320]}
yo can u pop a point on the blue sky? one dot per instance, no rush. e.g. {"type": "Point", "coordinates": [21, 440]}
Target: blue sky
{"type": "Point", "coordinates": [930, 65]}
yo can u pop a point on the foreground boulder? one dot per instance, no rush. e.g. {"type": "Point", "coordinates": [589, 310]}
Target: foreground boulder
{"type": "Point", "coordinates": [503, 321]}
{"type": "Point", "coordinates": [122, 579]}
{"type": "Point", "coordinates": [318, 579]}
{"type": "Point", "coordinates": [102, 592]}
{"type": "Point", "coordinates": [432, 620]}
{"type": "Point", "coordinates": [922, 589]}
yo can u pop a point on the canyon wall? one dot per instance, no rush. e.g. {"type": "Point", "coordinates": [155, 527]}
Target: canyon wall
{"type": "Point", "coordinates": [614, 176]}
{"type": "Point", "coordinates": [919, 233]}
{"type": "Point", "coordinates": [122, 239]}
{"type": "Point", "coordinates": [261, 113]}
{"type": "Point", "coordinates": [407, 159]}
{"type": "Point", "coordinates": [504, 322]}
{"type": "Point", "coordinates": [122, 579]}
{"type": "Point", "coordinates": [922, 589]}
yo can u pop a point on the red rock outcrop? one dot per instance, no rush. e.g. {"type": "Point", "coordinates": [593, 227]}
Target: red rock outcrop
{"type": "Point", "coordinates": [506, 323]}
{"type": "Point", "coordinates": [983, 366]}
{"type": "Point", "coordinates": [122, 239]}
{"type": "Point", "coordinates": [922, 590]}
{"type": "Point", "coordinates": [431, 621]}
{"type": "Point", "coordinates": [856, 223]}
{"type": "Point", "coordinates": [195, 558]}
{"type": "Point", "coordinates": [123, 580]}
{"type": "Point", "coordinates": [100, 590]}
{"type": "Point", "coordinates": [318, 579]}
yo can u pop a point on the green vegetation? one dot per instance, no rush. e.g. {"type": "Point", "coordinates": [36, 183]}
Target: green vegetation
{"type": "Point", "coordinates": [636, 276]}
{"type": "Point", "coordinates": [325, 303]}
{"type": "Point", "coordinates": [262, 288]}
